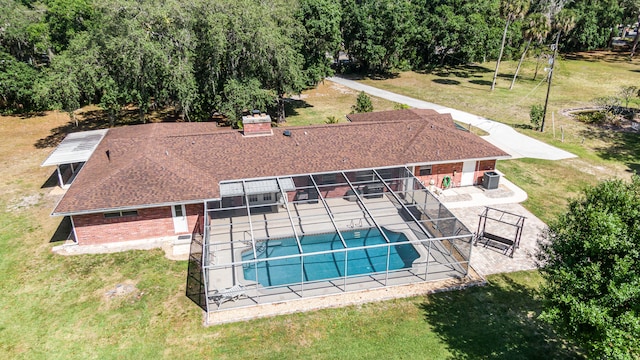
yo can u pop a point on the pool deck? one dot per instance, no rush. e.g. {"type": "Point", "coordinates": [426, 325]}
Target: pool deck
{"type": "Point", "coordinates": [466, 203]}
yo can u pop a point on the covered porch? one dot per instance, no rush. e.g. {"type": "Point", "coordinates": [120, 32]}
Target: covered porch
{"type": "Point", "coordinates": [71, 154]}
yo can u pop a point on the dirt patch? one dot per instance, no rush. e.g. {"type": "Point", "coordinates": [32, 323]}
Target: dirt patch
{"type": "Point", "coordinates": [342, 89]}
{"type": "Point", "coordinates": [125, 290]}
{"type": "Point", "coordinates": [24, 202]}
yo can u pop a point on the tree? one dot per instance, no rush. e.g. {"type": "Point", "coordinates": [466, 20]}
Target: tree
{"type": "Point", "coordinates": [590, 259]}
{"type": "Point", "coordinates": [563, 22]}
{"type": "Point", "coordinates": [377, 32]}
{"type": "Point", "coordinates": [455, 32]}
{"type": "Point", "coordinates": [627, 93]}
{"type": "Point", "coordinates": [363, 104]}
{"type": "Point", "coordinates": [246, 95]}
{"type": "Point", "coordinates": [24, 33]}
{"type": "Point", "coordinates": [65, 18]}
{"type": "Point", "coordinates": [631, 14]}
{"type": "Point", "coordinates": [510, 10]}
{"type": "Point", "coordinates": [61, 89]}
{"type": "Point", "coordinates": [247, 41]}
{"type": "Point", "coordinates": [537, 27]}
{"type": "Point", "coordinates": [321, 37]}
{"type": "Point", "coordinates": [16, 84]}
{"type": "Point", "coordinates": [595, 22]}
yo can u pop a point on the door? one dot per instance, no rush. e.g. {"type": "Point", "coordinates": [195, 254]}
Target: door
{"type": "Point", "coordinates": [468, 172]}
{"type": "Point", "coordinates": [179, 219]}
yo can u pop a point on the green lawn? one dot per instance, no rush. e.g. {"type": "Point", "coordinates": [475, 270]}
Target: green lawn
{"type": "Point", "coordinates": [55, 307]}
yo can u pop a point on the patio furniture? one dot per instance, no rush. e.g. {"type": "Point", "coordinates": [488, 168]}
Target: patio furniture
{"type": "Point", "coordinates": [230, 294]}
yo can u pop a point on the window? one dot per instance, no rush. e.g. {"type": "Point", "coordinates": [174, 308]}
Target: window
{"type": "Point", "coordinates": [385, 173]}
{"type": "Point", "coordinates": [425, 170]}
{"type": "Point", "coordinates": [253, 198]}
{"type": "Point", "coordinates": [117, 214]}
{"type": "Point", "coordinates": [362, 176]}
{"type": "Point", "coordinates": [178, 210]}
{"type": "Point", "coordinates": [266, 197]}
{"type": "Point", "coordinates": [328, 178]}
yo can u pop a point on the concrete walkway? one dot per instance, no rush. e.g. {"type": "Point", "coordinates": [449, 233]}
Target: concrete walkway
{"type": "Point", "coordinates": [500, 135]}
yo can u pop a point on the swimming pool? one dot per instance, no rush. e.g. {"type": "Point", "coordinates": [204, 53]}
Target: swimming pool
{"type": "Point", "coordinates": [331, 265]}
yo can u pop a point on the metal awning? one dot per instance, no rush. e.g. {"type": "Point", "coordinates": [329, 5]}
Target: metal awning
{"type": "Point", "coordinates": [75, 148]}
{"type": "Point", "coordinates": [252, 187]}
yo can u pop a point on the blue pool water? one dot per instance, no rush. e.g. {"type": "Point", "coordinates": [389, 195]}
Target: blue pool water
{"type": "Point", "coordinates": [327, 266]}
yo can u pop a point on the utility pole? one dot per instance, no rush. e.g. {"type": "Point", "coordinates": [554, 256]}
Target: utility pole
{"type": "Point", "coordinates": [553, 64]}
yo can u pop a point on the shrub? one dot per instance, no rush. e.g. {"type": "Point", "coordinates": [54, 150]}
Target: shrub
{"type": "Point", "coordinates": [610, 107]}
{"type": "Point", "coordinates": [363, 104]}
{"type": "Point", "coordinates": [331, 120]}
{"type": "Point", "coordinates": [536, 115]}
{"type": "Point", "coordinates": [591, 117]}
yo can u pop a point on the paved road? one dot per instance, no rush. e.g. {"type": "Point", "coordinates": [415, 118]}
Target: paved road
{"type": "Point", "coordinates": [500, 135]}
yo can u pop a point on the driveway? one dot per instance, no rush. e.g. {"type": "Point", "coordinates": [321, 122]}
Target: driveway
{"type": "Point", "coordinates": [500, 135]}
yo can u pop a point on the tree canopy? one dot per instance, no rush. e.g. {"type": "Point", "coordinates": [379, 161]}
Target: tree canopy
{"type": "Point", "coordinates": [590, 259]}
{"type": "Point", "coordinates": [207, 56]}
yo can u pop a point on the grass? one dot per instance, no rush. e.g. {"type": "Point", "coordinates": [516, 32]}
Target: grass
{"type": "Point", "coordinates": [314, 106]}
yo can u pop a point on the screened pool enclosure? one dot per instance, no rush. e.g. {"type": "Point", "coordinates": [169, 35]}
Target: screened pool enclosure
{"type": "Point", "coordinates": [284, 238]}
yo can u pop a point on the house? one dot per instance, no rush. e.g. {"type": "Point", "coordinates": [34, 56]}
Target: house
{"type": "Point", "coordinates": [148, 185]}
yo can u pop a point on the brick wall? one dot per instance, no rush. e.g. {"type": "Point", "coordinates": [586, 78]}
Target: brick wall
{"type": "Point", "coordinates": [257, 129]}
{"type": "Point", "coordinates": [92, 229]}
{"type": "Point", "coordinates": [485, 165]}
{"type": "Point", "coordinates": [439, 171]}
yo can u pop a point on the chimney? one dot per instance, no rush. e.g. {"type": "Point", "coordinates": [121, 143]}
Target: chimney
{"type": "Point", "coordinates": [256, 124]}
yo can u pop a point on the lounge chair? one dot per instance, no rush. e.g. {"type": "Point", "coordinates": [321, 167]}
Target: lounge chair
{"type": "Point", "coordinates": [230, 294]}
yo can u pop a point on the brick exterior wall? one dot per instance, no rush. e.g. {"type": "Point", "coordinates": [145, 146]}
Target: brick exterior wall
{"type": "Point", "coordinates": [94, 229]}
{"type": "Point", "coordinates": [439, 171]}
{"type": "Point", "coordinates": [257, 129]}
{"type": "Point", "coordinates": [485, 165]}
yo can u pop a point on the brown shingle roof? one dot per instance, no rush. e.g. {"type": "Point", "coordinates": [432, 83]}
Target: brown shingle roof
{"type": "Point", "coordinates": [172, 163]}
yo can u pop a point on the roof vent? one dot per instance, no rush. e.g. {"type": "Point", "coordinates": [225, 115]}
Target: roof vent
{"type": "Point", "coordinates": [286, 133]}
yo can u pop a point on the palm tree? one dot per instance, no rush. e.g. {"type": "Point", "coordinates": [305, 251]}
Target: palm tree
{"type": "Point", "coordinates": [563, 22]}
{"type": "Point", "coordinates": [536, 28]}
{"type": "Point", "coordinates": [510, 10]}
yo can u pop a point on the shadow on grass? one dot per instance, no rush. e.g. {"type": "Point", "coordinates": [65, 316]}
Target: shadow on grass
{"type": "Point", "coordinates": [52, 181]}
{"type": "Point", "coordinates": [481, 82]}
{"type": "Point", "coordinates": [461, 71]}
{"type": "Point", "coordinates": [446, 81]}
{"type": "Point", "coordinates": [359, 75]}
{"type": "Point", "coordinates": [384, 76]}
{"type": "Point", "coordinates": [63, 230]}
{"type": "Point", "coordinates": [291, 106]}
{"type": "Point", "coordinates": [621, 146]}
{"type": "Point", "coordinates": [498, 321]}
{"type": "Point", "coordinates": [523, 126]}
{"type": "Point", "coordinates": [611, 56]}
